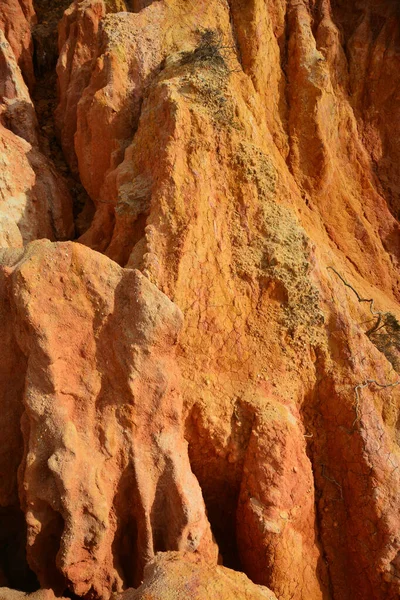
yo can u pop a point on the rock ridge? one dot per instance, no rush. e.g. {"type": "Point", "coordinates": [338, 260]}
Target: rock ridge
{"type": "Point", "coordinates": [192, 369]}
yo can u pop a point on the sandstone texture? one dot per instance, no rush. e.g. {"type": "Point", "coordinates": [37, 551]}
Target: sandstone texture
{"type": "Point", "coordinates": [176, 576]}
{"type": "Point", "coordinates": [16, 20]}
{"type": "Point", "coordinates": [207, 369]}
{"type": "Point", "coordinates": [9, 594]}
{"type": "Point", "coordinates": [105, 480]}
{"type": "Point", "coordinates": [34, 198]}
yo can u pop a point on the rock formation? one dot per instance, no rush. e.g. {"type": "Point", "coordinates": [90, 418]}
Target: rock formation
{"type": "Point", "coordinates": [34, 199]}
{"type": "Point", "coordinates": [16, 20]}
{"type": "Point", "coordinates": [10, 594]}
{"type": "Point", "coordinates": [171, 575]}
{"type": "Point", "coordinates": [211, 363]}
{"type": "Point", "coordinates": [105, 480]}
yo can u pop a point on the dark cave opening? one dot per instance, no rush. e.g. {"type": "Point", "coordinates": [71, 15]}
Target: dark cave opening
{"type": "Point", "coordinates": [125, 550]}
{"type": "Point", "coordinates": [220, 486]}
{"type": "Point", "coordinates": [125, 542]}
{"type": "Point", "coordinates": [220, 477]}
{"type": "Point", "coordinates": [221, 503]}
{"type": "Point", "coordinates": [14, 569]}
{"type": "Point", "coordinates": [223, 525]}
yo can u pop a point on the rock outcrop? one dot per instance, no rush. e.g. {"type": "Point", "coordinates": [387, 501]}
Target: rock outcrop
{"type": "Point", "coordinates": [34, 198]}
{"type": "Point", "coordinates": [16, 20]}
{"type": "Point", "coordinates": [105, 480]}
{"type": "Point", "coordinates": [241, 177]}
{"type": "Point", "coordinates": [243, 161]}
{"type": "Point", "coordinates": [171, 575]}
{"type": "Point", "coordinates": [9, 594]}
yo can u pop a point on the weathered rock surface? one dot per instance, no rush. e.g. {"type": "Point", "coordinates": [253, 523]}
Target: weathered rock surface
{"type": "Point", "coordinates": [34, 199]}
{"type": "Point", "coordinates": [239, 188]}
{"type": "Point", "coordinates": [236, 152]}
{"type": "Point", "coordinates": [173, 576]}
{"type": "Point", "coordinates": [78, 44]}
{"type": "Point", "coordinates": [17, 112]}
{"type": "Point", "coordinates": [105, 480]}
{"type": "Point", "coordinates": [9, 594]}
{"type": "Point", "coordinates": [16, 20]}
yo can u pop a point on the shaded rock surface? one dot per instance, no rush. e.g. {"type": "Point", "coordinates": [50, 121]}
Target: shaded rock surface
{"type": "Point", "coordinates": [242, 159]}
{"type": "Point", "coordinates": [34, 198]}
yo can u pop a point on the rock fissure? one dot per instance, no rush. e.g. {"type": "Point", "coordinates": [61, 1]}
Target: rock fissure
{"type": "Point", "coordinates": [44, 96]}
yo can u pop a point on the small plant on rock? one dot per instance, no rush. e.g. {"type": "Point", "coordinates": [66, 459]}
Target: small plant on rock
{"type": "Point", "coordinates": [211, 51]}
{"type": "Point", "coordinates": [385, 331]}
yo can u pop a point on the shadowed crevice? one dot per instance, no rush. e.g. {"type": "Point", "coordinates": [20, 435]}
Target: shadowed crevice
{"type": "Point", "coordinates": [44, 97]}
{"type": "Point", "coordinates": [14, 568]}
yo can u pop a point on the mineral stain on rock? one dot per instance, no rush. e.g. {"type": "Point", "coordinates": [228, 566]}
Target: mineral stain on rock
{"type": "Point", "coordinates": [194, 197]}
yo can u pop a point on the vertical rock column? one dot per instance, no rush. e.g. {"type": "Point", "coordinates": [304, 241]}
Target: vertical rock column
{"type": "Point", "coordinates": [105, 481]}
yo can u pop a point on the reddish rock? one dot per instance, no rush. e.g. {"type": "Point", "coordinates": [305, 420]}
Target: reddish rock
{"type": "Point", "coordinates": [105, 481]}
{"type": "Point", "coordinates": [34, 199]}
{"type": "Point", "coordinates": [79, 43]}
{"type": "Point", "coordinates": [12, 376]}
{"type": "Point", "coordinates": [17, 112]}
{"type": "Point", "coordinates": [9, 594]}
{"type": "Point", "coordinates": [16, 20]}
{"type": "Point", "coordinates": [171, 575]}
{"type": "Point", "coordinates": [108, 112]}
{"type": "Point", "coordinates": [236, 193]}
{"type": "Point", "coordinates": [235, 152]}
{"type": "Point", "coordinates": [276, 504]}
{"type": "Point", "coordinates": [373, 42]}
{"type": "Point", "coordinates": [78, 31]}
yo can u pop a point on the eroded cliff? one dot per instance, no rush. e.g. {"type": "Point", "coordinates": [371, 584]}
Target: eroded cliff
{"type": "Point", "coordinates": [203, 357]}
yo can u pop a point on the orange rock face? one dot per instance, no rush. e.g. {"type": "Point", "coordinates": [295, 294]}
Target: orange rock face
{"type": "Point", "coordinates": [172, 575]}
{"type": "Point", "coordinates": [16, 20]}
{"type": "Point", "coordinates": [219, 366]}
{"type": "Point", "coordinates": [102, 420]}
{"type": "Point", "coordinates": [34, 199]}
{"type": "Point", "coordinates": [77, 42]}
{"type": "Point", "coordinates": [9, 594]}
